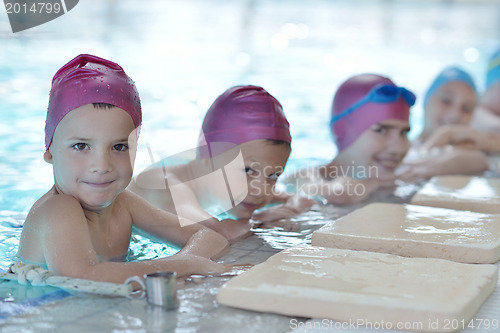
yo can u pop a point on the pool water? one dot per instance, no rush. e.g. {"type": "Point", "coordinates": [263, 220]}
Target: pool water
{"type": "Point", "coordinates": [10, 231]}
{"type": "Point", "coordinates": [299, 51]}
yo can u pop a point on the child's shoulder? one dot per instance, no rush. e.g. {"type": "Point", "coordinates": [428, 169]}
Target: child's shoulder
{"type": "Point", "coordinates": [130, 201]}
{"type": "Point", "coordinates": [52, 206]}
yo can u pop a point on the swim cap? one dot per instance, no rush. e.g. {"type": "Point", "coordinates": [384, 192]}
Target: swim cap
{"type": "Point", "coordinates": [449, 74]}
{"type": "Point", "coordinates": [493, 74]}
{"type": "Point", "coordinates": [89, 79]}
{"type": "Point", "coordinates": [364, 100]}
{"type": "Point", "coordinates": [239, 115]}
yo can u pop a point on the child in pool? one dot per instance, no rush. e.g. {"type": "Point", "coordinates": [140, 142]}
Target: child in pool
{"type": "Point", "coordinates": [449, 103]}
{"type": "Point", "coordinates": [370, 122]}
{"type": "Point", "coordinates": [450, 100]}
{"type": "Point", "coordinates": [487, 115]}
{"type": "Point", "coordinates": [483, 132]}
{"type": "Point", "coordinates": [245, 135]}
{"type": "Point", "coordinates": [84, 222]}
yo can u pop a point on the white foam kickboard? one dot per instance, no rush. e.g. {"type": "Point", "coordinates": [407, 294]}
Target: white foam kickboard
{"type": "Point", "coordinates": [477, 194]}
{"type": "Point", "coordinates": [486, 320]}
{"type": "Point", "coordinates": [345, 285]}
{"type": "Point", "coordinates": [416, 231]}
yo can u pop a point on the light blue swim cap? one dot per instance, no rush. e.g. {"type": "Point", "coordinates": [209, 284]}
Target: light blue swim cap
{"type": "Point", "coordinates": [449, 74]}
{"type": "Point", "coordinates": [493, 74]}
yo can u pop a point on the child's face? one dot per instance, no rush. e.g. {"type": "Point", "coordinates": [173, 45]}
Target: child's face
{"type": "Point", "coordinates": [90, 155]}
{"type": "Point", "coordinates": [379, 150]}
{"type": "Point", "coordinates": [452, 103]}
{"type": "Point", "coordinates": [264, 163]}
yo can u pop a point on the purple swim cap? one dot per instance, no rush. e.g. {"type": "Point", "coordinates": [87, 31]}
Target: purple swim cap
{"type": "Point", "coordinates": [239, 115]}
{"type": "Point", "coordinates": [89, 79]}
{"type": "Point", "coordinates": [358, 90]}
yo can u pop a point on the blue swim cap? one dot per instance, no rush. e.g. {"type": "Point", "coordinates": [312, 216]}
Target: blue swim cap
{"type": "Point", "coordinates": [449, 74]}
{"type": "Point", "coordinates": [493, 74]}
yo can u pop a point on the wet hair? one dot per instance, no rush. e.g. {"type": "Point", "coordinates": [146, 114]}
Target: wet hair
{"type": "Point", "coordinates": [103, 106]}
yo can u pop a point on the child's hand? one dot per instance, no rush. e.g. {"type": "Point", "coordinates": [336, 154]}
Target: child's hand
{"type": "Point", "coordinates": [294, 205]}
{"type": "Point", "coordinates": [189, 264]}
{"type": "Point", "coordinates": [286, 225]}
{"type": "Point", "coordinates": [233, 230]}
{"type": "Point", "coordinates": [274, 213]}
{"type": "Point", "coordinates": [300, 203]}
{"type": "Point", "coordinates": [410, 174]}
{"type": "Point", "coordinates": [236, 269]}
{"type": "Point", "coordinates": [457, 135]}
{"type": "Point", "coordinates": [232, 270]}
{"type": "Point", "coordinates": [385, 182]}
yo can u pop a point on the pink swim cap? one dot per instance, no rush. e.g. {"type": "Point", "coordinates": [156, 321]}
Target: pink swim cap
{"type": "Point", "coordinates": [239, 115]}
{"type": "Point", "coordinates": [364, 100]}
{"type": "Point", "coordinates": [89, 79]}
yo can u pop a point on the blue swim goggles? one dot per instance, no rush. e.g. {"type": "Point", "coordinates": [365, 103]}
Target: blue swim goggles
{"type": "Point", "coordinates": [384, 93]}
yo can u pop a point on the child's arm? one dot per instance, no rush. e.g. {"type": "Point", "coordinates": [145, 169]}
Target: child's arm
{"type": "Point", "coordinates": [485, 120]}
{"type": "Point", "coordinates": [457, 161]}
{"type": "Point", "coordinates": [195, 238]}
{"type": "Point", "coordinates": [186, 204]}
{"type": "Point", "coordinates": [291, 205]}
{"type": "Point", "coordinates": [190, 209]}
{"type": "Point", "coordinates": [340, 190]}
{"type": "Point", "coordinates": [461, 135]}
{"type": "Point", "coordinates": [64, 233]}
{"type": "Point", "coordinates": [233, 230]}
{"type": "Point", "coordinates": [348, 191]}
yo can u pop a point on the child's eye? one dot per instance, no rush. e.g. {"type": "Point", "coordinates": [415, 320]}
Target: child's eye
{"type": "Point", "coordinates": [274, 176]}
{"type": "Point", "coordinates": [251, 172]}
{"type": "Point", "coordinates": [120, 147]}
{"type": "Point", "coordinates": [447, 101]}
{"type": "Point", "coordinates": [380, 130]}
{"type": "Point", "coordinates": [404, 133]}
{"type": "Point", "coordinates": [80, 146]}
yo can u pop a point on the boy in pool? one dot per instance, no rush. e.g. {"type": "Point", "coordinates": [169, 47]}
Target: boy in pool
{"type": "Point", "coordinates": [448, 104]}
{"type": "Point", "coordinates": [82, 226]}
{"type": "Point", "coordinates": [246, 137]}
{"type": "Point", "coordinates": [370, 123]}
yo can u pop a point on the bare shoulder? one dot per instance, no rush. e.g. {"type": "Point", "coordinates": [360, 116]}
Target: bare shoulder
{"type": "Point", "coordinates": [50, 213]}
{"type": "Point", "coordinates": [153, 187]}
{"type": "Point", "coordinates": [153, 178]}
{"type": "Point", "coordinates": [53, 206]}
{"type": "Point", "coordinates": [128, 197]}
{"type": "Point", "coordinates": [133, 202]}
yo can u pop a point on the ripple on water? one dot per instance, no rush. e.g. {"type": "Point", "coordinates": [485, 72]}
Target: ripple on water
{"type": "Point", "coordinates": [294, 231]}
